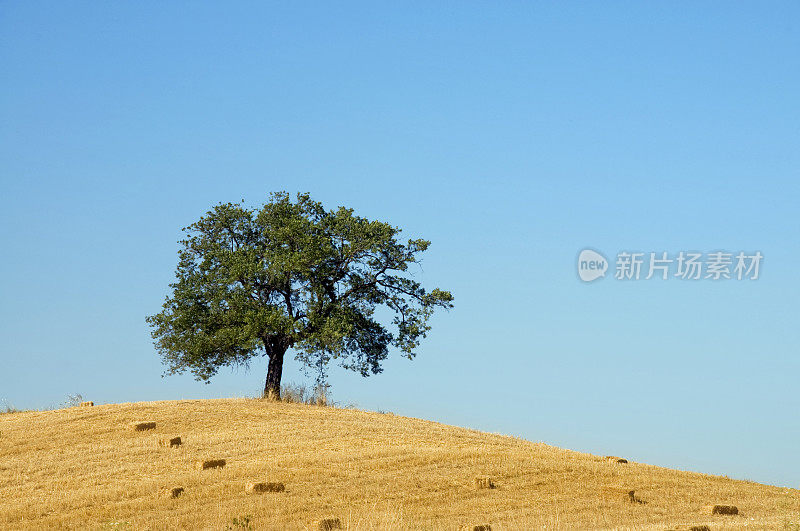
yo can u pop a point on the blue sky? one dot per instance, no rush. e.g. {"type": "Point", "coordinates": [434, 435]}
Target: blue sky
{"type": "Point", "coordinates": [510, 134]}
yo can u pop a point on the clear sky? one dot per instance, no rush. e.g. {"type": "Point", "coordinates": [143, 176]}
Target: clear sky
{"type": "Point", "coordinates": [510, 134]}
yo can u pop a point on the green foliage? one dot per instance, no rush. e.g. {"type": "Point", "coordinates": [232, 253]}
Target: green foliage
{"type": "Point", "coordinates": [292, 275]}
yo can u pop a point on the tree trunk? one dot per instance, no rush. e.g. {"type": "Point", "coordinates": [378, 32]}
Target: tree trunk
{"type": "Point", "coordinates": [272, 387]}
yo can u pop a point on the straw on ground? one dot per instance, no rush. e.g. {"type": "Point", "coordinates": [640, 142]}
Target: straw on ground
{"type": "Point", "coordinates": [70, 469]}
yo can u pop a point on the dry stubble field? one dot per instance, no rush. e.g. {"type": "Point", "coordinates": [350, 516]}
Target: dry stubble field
{"type": "Point", "coordinates": [87, 468]}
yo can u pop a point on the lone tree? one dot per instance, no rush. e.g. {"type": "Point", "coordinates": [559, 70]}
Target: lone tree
{"type": "Point", "coordinates": [291, 274]}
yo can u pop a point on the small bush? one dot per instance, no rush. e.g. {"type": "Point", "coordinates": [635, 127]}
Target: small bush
{"type": "Point", "coordinates": [240, 522]}
{"type": "Point", "coordinates": [300, 394]}
{"type": "Point", "coordinates": [8, 408]}
{"type": "Point", "coordinates": [484, 482]}
{"type": "Point", "coordinates": [294, 393]}
{"type": "Point", "coordinates": [73, 400]}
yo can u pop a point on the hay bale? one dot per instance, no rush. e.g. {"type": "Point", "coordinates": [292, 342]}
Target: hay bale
{"type": "Point", "coordinates": [723, 509]}
{"type": "Point", "coordinates": [615, 459]}
{"type": "Point", "coordinates": [484, 482]}
{"type": "Point", "coordinates": [210, 463]}
{"type": "Point", "coordinates": [479, 527]}
{"type": "Point", "coordinates": [259, 488]}
{"type": "Point", "coordinates": [690, 528]}
{"type": "Point", "coordinates": [170, 443]}
{"type": "Point", "coordinates": [144, 426]}
{"type": "Point", "coordinates": [328, 524]}
{"type": "Point", "coordinates": [174, 492]}
{"type": "Point", "coordinates": [87, 404]}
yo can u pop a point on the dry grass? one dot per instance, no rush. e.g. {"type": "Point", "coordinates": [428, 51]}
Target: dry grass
{"type": "Point", "coordinates": [85, 468]}
{"type": "Point", "coordinates": [619, 493]}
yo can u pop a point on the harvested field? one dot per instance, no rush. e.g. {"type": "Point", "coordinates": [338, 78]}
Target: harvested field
{"type": "Point", "coordinates": [86, 468]}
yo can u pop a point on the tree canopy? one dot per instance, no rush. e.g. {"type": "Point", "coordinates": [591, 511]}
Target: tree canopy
{"type": "Point", "coordinates": [254, 282]}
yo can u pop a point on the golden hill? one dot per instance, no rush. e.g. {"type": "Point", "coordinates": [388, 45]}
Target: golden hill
{"type": "Point", "coordinates": [87, 467]}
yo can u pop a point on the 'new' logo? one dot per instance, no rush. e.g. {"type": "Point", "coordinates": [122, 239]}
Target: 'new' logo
{"type": "Point", "coordinates": [591, 265]}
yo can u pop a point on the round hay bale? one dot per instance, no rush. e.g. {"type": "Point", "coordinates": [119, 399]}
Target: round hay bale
{"type": "Point", "coordinates": [210, 463]}
{"type": "Point", "coordinates": [174, 442]}
{"type": "Point", "coordinates": [144, 426]}
{"type": "Point", "coordinates": [724, 509]}
{"type": "Point", "coordinates": [173, 492]}
{"type": "Point", "coordinates": [328, 524]}
{"type": "Point", "coordinates": [260, 488]}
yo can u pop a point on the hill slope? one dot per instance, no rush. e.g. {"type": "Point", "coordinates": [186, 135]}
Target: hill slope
{"type": "Point", "coordinates": [86, 467]}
